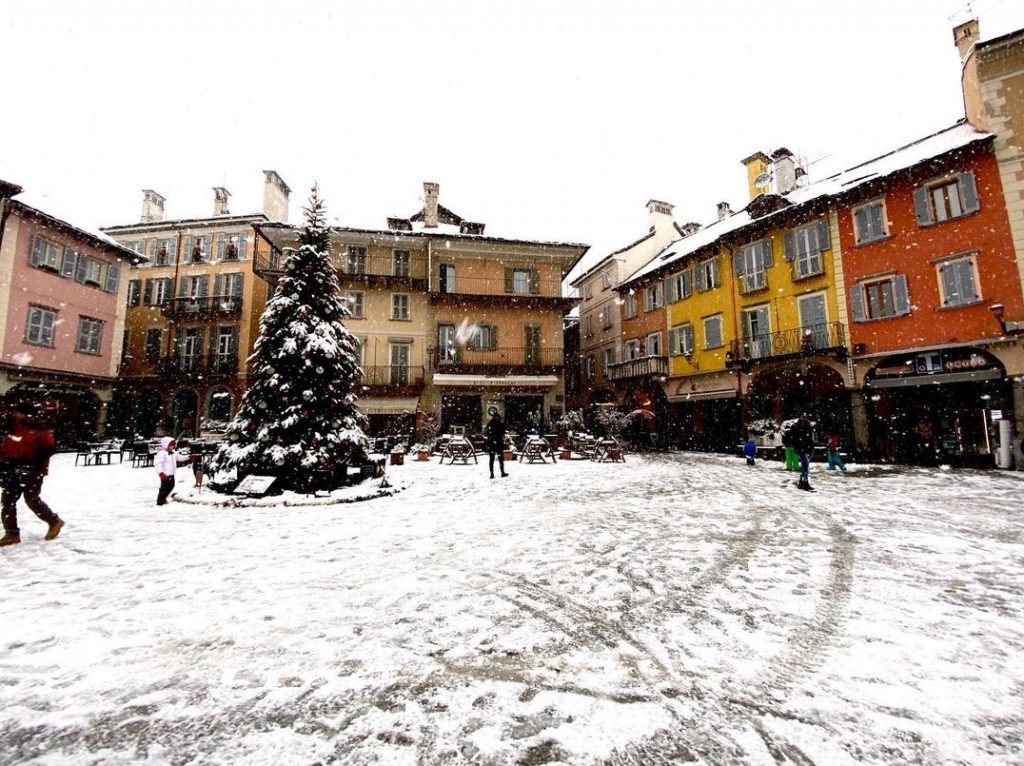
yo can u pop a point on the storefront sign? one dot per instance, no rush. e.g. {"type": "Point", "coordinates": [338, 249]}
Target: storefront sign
{"type": "Point", "coordinates": [948, 365]}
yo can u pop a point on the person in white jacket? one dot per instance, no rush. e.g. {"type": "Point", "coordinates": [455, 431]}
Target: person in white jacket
{"type": "Point", "coordinates": [166, 464]}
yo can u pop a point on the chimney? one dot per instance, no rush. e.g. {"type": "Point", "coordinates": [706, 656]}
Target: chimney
{"type": "Point", "coordinates": [724, 211]}
{"type": "Point", "coordinates": [660, 216]}
{"type": "Point", "coordinates": [759, 177]}
{"type": "Point", "coordinates": [689, 228]}
{"type": "Point", "coordinates": [275, 196]}
{"type": "Point", "coordinates": [220, 200]}
{"type": "Point", "coordinates": [152, 206]}
{"type": "Point", "coordinates": [784, 170]}
{"type": "Point", "coordinates": [966, 37]}
{"type": "Point", "coordinates": [430, 192]}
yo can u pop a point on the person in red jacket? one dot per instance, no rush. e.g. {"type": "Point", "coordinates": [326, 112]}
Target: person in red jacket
{"type": "Point", "coordinates": [24, 460]}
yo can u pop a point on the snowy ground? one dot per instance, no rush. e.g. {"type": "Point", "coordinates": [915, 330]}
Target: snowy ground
{"type": "Point", "coordinates": [678, 608]}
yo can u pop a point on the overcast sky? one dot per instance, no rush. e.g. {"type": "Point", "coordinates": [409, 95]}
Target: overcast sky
{"type": "Point", "coordinates": [545, 120]}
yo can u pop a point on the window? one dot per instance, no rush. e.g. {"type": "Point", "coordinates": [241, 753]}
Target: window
{"type": "Point", "coordinates": [355, 260]}
{"type": "Point", "coordinates": [195, 288]}
{"type": "Point", "coordinates": [39, 327]}
{"type": "Point", "coordinates": [225, 347]}
{"type": "Point", "coordinates": [629, 305]}
{"type": "Point", "coordinates": [92, 272]}
{"type": "Point", "coordinates": [483, 338]}
{"type": "Point", "coordinates": [355, 303]}
{"type": "Point", "coordinates": [522, 281]}
{"type": "Point", "coordinates": [360, 344]}
{"type": "Point", "coordinates": [606, 280]}
{"type": "Point", "coordinates": [69, 263]}
{"type": "Point", "coordinates": [751, 263]}
{"type": "Point", "coordinates": [589, 367]}
{"type": "Point", "coordinates": [950, 198]}
{"type": "Point", "coordinates": [654, 344]}
{"type": "Point", "coordinates": [198, 248]}
{"type": "Point", "coordinates": [713, 331]}
{"type": "Point", "coordinates": [705, 275]}
{"type": "Point", "coordinates": [158, 291]}
{"type": "Point", "coordinates": [228, 290]}
{"type": "Point", "coordinates": [680, 340]}
{"type": "Point", "coordinates": [531, 344]}
{"type": "Point", "coordinates": [679, 286]}
{"type": "Point", "coordinates": [230, 247]}
{"type": "Point", "coordinates": [167, 251]}
{"type": "Point", "coordinates": [90, 334]}
{"type": "Point", "coordinates": [139, 247]}
{"type": "Point", "coordinates": [447, 344]}
{"type": "Point", "coordinates": [134, 292]}
{"type": "Point", "coordinates": [804, 247]}
{"type": "Point", "coordinates": [154, 342]}
{"type": "Point", "coordinates": [631, 350]}
{"type": "Point", "coordinates": [113, 274]}
{"type": "Point", "coordinates": [880, 297]}
{"type": "Point", "coordinates": [958, 283]}
{"type": "Point", "coordinates": [609, 359]}
{"type": "Point", "coordinates": [588, 291]}
{"type": "Point", "coordinates": [653, 296]}
{"type": "Point", "coordinates": [398, 360]}
{"type": "Point", "coordinates": [401, 261]}
{"type": "Point", "coordinates": [399, 306]}
{"type": "Point", "coordinates": [588, 326]}
{"type": "Point", "coordinates": [446, 281]}
{"type": "Point", "coordinates": [869, 222]}
{"type": "Point", "coordinates": [606, 319]}
{"type": "Point", "coordinates": [46, 254]}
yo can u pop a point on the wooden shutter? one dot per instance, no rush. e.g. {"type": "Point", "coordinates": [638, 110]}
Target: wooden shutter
{"type": "Point", "coordinates": [494, 338]}
{"type": "Point", "coordinates": [218, 286]}
{"type": "Point", "coordinates": [922, 207]}
{"type": "Point", "coordinates": [965, 271]}
{"type": "Point", "coordinates": [154, 248]}
{"type": "Point", "coordinates": [147, 299]}
{"type": "Point", "coordinates": [949, 286]}
{"type": "Point", "coordinates": [221, 244]}
{"type": "Point", "coordinates": [900, 297]}
{"type": "Point", "coordinates": [687, 335]}
{"type": "Point", "coordinates": [240, 244]}
{"type": "Point", "coordinates": [183, 287]}
{"type": "Point", "coordinates": [509, 280]}
{"type": "Point", "coordinates": [672, 289]}
{"type": "Point", "coordinates": [860, 224]}
{"type": "Point", "coordinates": [970, 192]}
{"type": "Point", "coordinates": [767, 258]}
{"type": "Point", "coordinates": [69, 262]}
{"type": "Point", "coordinates": [81, 264]}
{"type": "Point", "coordinates": [857, 303]}
{"type": "Point", "coordinates": [789, 245]}
{"type": "Point", "coordinates": [534, 281]}
{"type": "Point", "coordinates": [187, 250]}
{"type": "Point", "coordinates": [824, 240]}
{"type": "Point", "coordinates": [236, 285]}
{"type": "Point", "coordinates": [673, 341]}
{"type": "Point", "coordinates": [204, 285]}
{"type": "Point", "coordinates": [737, 261]}
{"type": "Point", "coordinates": [113, 273]}
{"type": "Point", "coordinates": [211, 344]}
{"type": "Point", "coordinates": [700, 277]}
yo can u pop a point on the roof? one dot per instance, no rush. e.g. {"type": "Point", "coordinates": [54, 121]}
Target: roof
{"type": "Point", "coordinates": [94, 237]}
{"type": "Point", "coordinates": [9, 189]}
{"type": "Point", "coordinates": [958, 136]}
{"type": "Point", "coordinates": [213, 220]}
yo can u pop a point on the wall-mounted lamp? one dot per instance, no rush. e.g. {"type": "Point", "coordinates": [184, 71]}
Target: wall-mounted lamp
{"type": "Point", "coordinates": [997, 310]}
{"type": "Point", "coordinates": [859, 348]}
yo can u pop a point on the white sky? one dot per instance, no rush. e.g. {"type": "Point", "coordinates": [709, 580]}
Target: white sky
{"type": "Point", "coordinates": [544, 120]}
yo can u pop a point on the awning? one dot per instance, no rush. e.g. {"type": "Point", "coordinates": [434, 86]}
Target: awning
{"type": "Point", "coordinates": [503, 381]}
{"type": "Point", "coordinates": [934, 380]}
{"type": "Point", "coordinates": [696, 396]}
{"type": "Point", "coordinates": [379, 405]}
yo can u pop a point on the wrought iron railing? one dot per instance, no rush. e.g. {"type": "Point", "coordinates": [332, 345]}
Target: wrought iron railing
{"type": "Point", "coordinates": [541, 287]}
{"type": "Point", "coordinates": [392, 375]}
{"type": "Point", "coordinates": [814, 339]}
{"type": "Point", "coordinates": [638, 368]}
{"type": "Point", "coordinates": [207, 305]}
{"type": "Point", "coordinates": [501, 356]}
{"type": "Point", "coordinates": [197, 365]}
{"type": "Point", "coordinates": [415, 267]}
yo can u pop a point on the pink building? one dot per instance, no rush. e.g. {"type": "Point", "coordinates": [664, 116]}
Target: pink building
{"type": "Point", "coordinates": [63, 296]}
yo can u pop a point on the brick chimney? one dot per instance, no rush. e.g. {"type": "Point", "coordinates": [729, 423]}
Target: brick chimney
{"type": "Point", "coordinates": [965, 36]}
{"type": "Point", "coordinates": [724, 211]}
{"type": "Point", "coordinates": [660, 216]}
{"type": "Point", "coordinates": [152, 206]}
{"type": "Point", "coordinates": [275, 196]}
{"type": "Point", "coordinates": [430, 193]}
{"type": "Point", "coordinates": [784, 170]}
{"type": "Point", "coordinates": [759, 177]}
{"type": "Point", "coordinates": [220, 200]}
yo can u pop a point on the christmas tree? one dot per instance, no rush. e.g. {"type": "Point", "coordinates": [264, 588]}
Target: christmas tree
{"type": "Point", "coordinates": [297, 420]}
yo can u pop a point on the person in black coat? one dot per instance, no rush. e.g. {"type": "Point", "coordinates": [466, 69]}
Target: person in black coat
{"type": "Point", "coordinates": [494, 442]}
{"type": "Point", "coordinates": [802, 438]}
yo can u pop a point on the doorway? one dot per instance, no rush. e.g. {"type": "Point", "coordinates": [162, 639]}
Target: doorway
{"type": "Point", "coordinates": [464, 410]}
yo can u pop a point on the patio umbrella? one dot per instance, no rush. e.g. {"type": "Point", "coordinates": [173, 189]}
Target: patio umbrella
{"type": "Point", "coordinates": [642, 414]}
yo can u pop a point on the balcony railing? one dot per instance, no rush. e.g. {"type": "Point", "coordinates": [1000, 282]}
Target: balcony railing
{"type": "Point", "coordinates": [752, 282]}
{"type": "Point", "coordinates": [393, 376]}
{"type": "Point", "coordinates": [206, 306]}
{"type": "Point", "coordinates": [380, 266]}
{"type": "Point", "coordinates": [643, 367]}
{"type": "Point", "coordinates": [197, 365]}
{"type": "Point", "coordinates": [499, 286]}
{"type": "Point", "coordinates": [814, 340]}
{"type": "Point", "coordinates": [503, 357]}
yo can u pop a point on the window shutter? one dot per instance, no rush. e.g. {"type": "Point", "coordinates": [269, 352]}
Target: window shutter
{"type": "Point", "coordinates": [236, 285]}
{"type": "Point", "coordinates": [68, 262]}
{"type": "Point", "coordinates": [183, 287]}
{"type": "Point", "coordinates": [922, 207]}
{"type": "Point", "coordinates": [218, 285]}
{"type": "Point", "coordinates": [187, 257]}
{"type": "Point", "coordinates": [970, 192]}
{"type": "Point", "coordinates": [899, 295]}
{"type": "Point", "coordinates": [534, 281]}
{"type": "Point", "coordinates": [113, 273]}
{"type": "Point", "coordinates": [857, 303]}
{"type": "Point", "coordinates": [211, 344]}
{"type": "Point", "coordinates": [241, 245]}
{"type": "Point", "coordinates": [700, 277]}
{"type": "Point", "coordinates": [221, 244]}
{"type": "Point", "coordinates": [172, 250]}
{"type": "Point", "coordinates": [949, 288]}
{"type": "Point", "coordinates": [673, 341]}
{"type": "Point", "coordinates": [508, 280]}
{"type": "Point", "coordinates": [737, 262]}
{"type": "Point", "coordinates": [81, 263]}
{"type": "Point", "coordinates": [860, 224]}
{"type": "Point", "coordinates": [672, 289]}
{"type": "Point", "coordinates": [154, 248]}
{"type": "Point", "coordinates": [38, 248]}
{"type": "Point", "coordinates": [967, 285]}
{"type": "Point", "coordinates": [824, 241]}
{"type": "Point", "coordinates": [688, 339]}
{"type": "Point", "coordinates": [767, 259]}
{"type": "Point", "coordinates": [494, 338]}
{"type": "Point", "coordinates": [179, 336]}
{"type": "Point", "coordinates": [147, 299]}
{"type": "Point", "coordinates": [789, 244]}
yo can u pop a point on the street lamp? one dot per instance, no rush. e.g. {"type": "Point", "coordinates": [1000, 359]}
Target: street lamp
{"type": "Point", "coordinates": [997, 311]}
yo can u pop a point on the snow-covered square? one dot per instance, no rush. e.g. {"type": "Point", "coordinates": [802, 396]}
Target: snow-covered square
{"type": "Point", "coordinates": [675, 608]}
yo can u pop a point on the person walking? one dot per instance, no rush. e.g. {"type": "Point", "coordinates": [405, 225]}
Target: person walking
{"type": "Point", "coordinates": [835, 458]}
{"type": "Point", "coordinates": [750, 450]}
{"type": "Point", "coordinates": [802, 436]}
{"type": "Point", "coordinates": [494, 442]}
{"type": "Point", "coordinates": [166, 464]}
{"type": "Point", "coordinates": [792, 459]}
{"type": "Point", "coordinates": [24, 461]}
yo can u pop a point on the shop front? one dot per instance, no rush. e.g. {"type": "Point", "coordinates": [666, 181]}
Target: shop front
{"type": "Point", "coordinates": [705, 411]}
{"type": "Point", "coordinates": [938, 406]}
{"type": "Point", "coordinates": [782, 393]}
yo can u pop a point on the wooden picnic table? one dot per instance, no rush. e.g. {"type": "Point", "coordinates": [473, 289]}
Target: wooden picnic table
{"type": "Point", "coordinates": [609, 451]}
{"type": "Point", "coordinates": [459, 448]}
{"type": "Point", "coordinates": [536, 450]}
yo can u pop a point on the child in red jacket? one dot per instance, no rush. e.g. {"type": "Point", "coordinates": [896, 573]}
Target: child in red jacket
{"type": "Point", "coordinates": [24, 460]}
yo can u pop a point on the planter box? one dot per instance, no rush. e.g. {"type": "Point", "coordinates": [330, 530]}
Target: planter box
{"type": "Point", "coordinates": [423, 456]}
{"type": "Point", "coordinates": [397, 458]}
{"type": "Point", "coordinates": [509, 455]}
{"type": "Point", "coordinates": [566, 454]}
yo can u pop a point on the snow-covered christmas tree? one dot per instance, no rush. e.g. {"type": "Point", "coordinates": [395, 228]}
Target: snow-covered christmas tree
{"type": "Point", "coordinates": [297, 420]}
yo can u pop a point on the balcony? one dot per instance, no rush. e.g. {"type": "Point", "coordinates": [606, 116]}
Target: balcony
{"type": "Point", "coordinates": [753, 282]}
{"type": "Point", "coordinates": [191, 366]}
{"type": "Point", "coordinates": [371, 270]}
{"type": "Point", "coordinates": [527, 292]}
{"type": "Point", "coordinates": [644, 367]}
{"type": "Point", "coordinates": [206, 307]}
{"type": "Point", "coordinates": [393, 380]}
{"type": "Point", "coordinates": [501, 360]}
{"type": "Point", "coordinates": [817, 340]}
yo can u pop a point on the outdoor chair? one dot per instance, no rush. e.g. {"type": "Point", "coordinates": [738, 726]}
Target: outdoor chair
{"type": "Point", "coordinates": [84, 453]}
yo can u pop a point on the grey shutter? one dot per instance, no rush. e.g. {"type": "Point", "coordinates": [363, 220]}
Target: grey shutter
{"type": "Point", "coordinates": [38, 248]}
{"type": "Point", "coordinates": [860, 224]}
{"type": "Point", "coordinates": [922, 207]}
{"type": "Point", "coordinates": [187, 250]}
{"type": "Point", "coordinates": [508, 280]}
{"type": "Point", "coordinates": [81, 262]}
{"type": "Point", "coordinates": [789, 244]}
{"type": "Point", "coordinates": [183, 287]}
{"type": "Point", "coordinates": [673, 341]}
{"type": "Point", "coordinates": [688, 339]}
{"type": "Point", "coordinates": [154, 248]}
{"type": "Point", "coordinates": [211, 345]}
{"type": "Point", "coordinates": [147, 299]}
{"type": "Point", "coordinates": [534, 281]}
{"type": "Point", "coordinates": [700, 277]}
{"type": "Point", "coordinates": [824, 241]}
{"type": "Point", "coordinates": [949, 287]}
{"type": "Point", "coordinates": [899, 294]}
{"type": "Point", "coordinates": [113, 273]}
{"type": "Point", "coordinates": [857, 303]}
{"type": "Point", "coordinates": [737, 262]}
{"type": "Point", "coordinates": [204, 285]}
{"type": "Point", "coordinates": [68, 262]}
{"type": "Point", "coordinates": [218, 285]}
{"type": "Point", "coordinates": [221, 244]}
{"type": "Point", "coordinates": [236, 285]}
{"type": "Point", "coordinates": [672, 289]}
{"type": "Point", "coordinates": [966, 273]}
{"type": "Point", "coordinates": [970, 192]}
{"type": "Point", "coordinates": [767, 259]}
{"type": "Point", "coordinates": [241, 245]}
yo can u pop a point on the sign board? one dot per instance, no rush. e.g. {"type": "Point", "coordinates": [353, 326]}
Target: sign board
{"type": "Point", "coordinates": [254, 485]}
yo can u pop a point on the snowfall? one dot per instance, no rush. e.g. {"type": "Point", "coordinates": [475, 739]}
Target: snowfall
{"type": "Point", "coordinates": [677, 608]}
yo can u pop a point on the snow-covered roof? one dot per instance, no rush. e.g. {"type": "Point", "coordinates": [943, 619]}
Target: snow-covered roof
{"type": "Point", "coordinates": [215, 220]}
{"type": "Point", "coordinates": [958, 136]}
